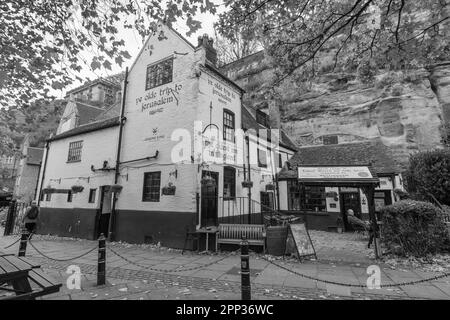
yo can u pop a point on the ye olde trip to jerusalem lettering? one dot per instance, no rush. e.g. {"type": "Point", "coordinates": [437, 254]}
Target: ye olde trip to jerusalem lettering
{"type": "Point", "coordinates": [159, 97]}
{"type": "Point", "coordinates": [222, 92]}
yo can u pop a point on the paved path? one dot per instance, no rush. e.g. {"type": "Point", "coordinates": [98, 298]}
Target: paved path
{"type": "Point", "coordinates": [129, 276]}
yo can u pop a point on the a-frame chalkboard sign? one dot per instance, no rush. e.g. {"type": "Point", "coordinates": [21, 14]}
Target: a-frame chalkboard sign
{"type": "Point", "coordinates": [299, 242]}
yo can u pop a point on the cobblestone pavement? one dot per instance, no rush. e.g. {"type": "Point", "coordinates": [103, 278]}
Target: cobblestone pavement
{"type": "Point", "coordinates": [129, 279]}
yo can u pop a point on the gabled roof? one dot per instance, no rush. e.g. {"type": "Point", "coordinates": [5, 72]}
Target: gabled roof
{"type": "Point", "coordinates": [93, 126]}
{"type": "Point", "coordinates": [112, 111]}
{"type": "Point", "coordinates": [249, 122]}
{"type": "Point", "coordinates": [372, 152]}
{"type": "Point", "coordinates": [34, 155]}
{"type": "Point", "coordinates": [87, 113]}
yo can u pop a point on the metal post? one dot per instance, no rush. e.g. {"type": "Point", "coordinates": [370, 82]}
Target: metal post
{"type": "Point", "coordinates": [101, 268]}
{"type": "Point", "coordinates": [245, 271]}
{"type": "Point", "coordinates": [23, 242]}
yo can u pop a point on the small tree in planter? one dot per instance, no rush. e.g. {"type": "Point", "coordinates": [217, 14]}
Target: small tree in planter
{"type": "Point", "coordinates": [169, 190]}
{"type": "Point", "coordinates": [340, 225]}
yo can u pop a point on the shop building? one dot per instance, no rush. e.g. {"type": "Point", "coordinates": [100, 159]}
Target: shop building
{"type": "Point", "coordinates": [173, 160]}
{"type": "Point", "coordinates": [324, 207]}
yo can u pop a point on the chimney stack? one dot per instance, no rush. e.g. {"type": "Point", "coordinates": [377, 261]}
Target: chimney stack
{"type": "Point", "coordinates": [207, 43]}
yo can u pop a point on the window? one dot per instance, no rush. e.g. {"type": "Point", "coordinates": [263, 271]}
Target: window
{"type": "Point", "coordinates": [262, 158]}
{"type": "Point", "coordinates": [69, 196]}
{"type": "Point", "coordinates": [262, 118]}
{"type": "Point", "coordinates": [229, 182]}
{"type": "Point", "coordinates": [228, 125]}
{"type": "Point", "coordinates": [280, 160]}
{"type": "Point", "coordinates": [48, 197]}
{"type": "Point", "coordinates": [330, 140]}
{"type": "Point", "coordinates": [92, 195]}
{"type": "Point", "coordinates": [308, 198]}
{"type": "Point", "coordinates": [266, 201]}
{"type": "Point", "coordinates": [159, 73]}
{"type": "Point", "coordinates": [41, 198]}
{"type": "Point", "coordinates": [152, 185]}
{"type": "Point", "coordinates": [314, 199]}
{"type": "Point", "coordinates": [75, 151]}
{"type": "Point", "coordinates": [293, 192]}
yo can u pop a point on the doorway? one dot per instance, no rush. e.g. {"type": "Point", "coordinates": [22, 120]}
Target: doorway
{"type": "Point", "coordinates": [350, 200]}
{"type": "Point", "coordinates": [209, 200]}
{"type": "Point", "coordinates": [104, 211]}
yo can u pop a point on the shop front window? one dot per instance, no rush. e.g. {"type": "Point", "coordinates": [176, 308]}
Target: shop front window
{"type": "Point", "coordinates": [314, 199]}
{"type": "Point", "coordinates": [306, 198]}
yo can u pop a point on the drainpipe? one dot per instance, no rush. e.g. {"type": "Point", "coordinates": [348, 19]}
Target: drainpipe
{"type": "Point", "coordinates": [112, 221]}
{"type": "Point", "coordinates": [37, 181]}
{"type": "Point", "coordinates": [247, 138]}
{"type": "Point", "coordinates": [47, 147]}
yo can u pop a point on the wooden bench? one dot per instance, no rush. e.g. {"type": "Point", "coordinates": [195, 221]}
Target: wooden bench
{"type": "Point", "coordinates": [27, 279]}
{"type": "Point", "coordinates": [255, 234]}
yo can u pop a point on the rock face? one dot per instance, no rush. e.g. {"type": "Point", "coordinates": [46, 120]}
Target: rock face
{"type": "Point", "coordinates": [407, 110]}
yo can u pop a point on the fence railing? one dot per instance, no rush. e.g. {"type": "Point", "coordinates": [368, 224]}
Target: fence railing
{"type": "Point", "coordinates": [14, 216]}
{"type": "Point", "coordinates": [239, 210]}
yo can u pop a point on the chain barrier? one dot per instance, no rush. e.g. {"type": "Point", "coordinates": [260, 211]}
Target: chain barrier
{"type": "Point", "coordinates": [61, 260]}
{"type": "Point", "coordinates": [9, 246]}
{"type": "Point", "coordinates": [171, 270]}
{"type": "Point", "coordinates": [408, 283]}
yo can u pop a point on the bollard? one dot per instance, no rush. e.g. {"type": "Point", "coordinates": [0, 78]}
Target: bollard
{"type": "Point", "coordinates": [101, 268]}
{"type": "Point", "coordinates": [23, 242]}
{"type": "Point", "coordinates": [245, 271]}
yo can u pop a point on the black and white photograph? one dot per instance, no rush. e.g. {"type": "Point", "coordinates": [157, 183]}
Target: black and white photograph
{"type": "Point", "coordinates": [225, 157]}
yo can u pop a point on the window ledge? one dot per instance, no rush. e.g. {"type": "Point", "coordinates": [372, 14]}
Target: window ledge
{"type": "Point", "coordinates": [73, 161]}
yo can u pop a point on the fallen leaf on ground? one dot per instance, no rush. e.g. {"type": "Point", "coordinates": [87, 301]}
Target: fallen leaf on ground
{"type": "Point", "coordinates": [123, 289]}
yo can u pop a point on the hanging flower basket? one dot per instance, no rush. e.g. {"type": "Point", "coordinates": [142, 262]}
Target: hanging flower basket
{"type": "Point", "coordinates": [77, 188]}
{"type": "Point", "coordinates": [247, 184]}
{"type": "Point", "coordinates": [270, 187]}
{"type": "Point", "coordinates": [116, 188]}
{"type": "Point", "coordinates": [208, 181]}
{"type": "Point", "coordinates": [169, 190]}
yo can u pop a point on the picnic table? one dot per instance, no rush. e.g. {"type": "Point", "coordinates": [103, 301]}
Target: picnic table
{"type": "Point", "coordinates": [27, 279]}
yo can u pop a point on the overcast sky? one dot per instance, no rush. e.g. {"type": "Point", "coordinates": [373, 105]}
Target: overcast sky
{"type": "Point", "coordinates": [134, 44]}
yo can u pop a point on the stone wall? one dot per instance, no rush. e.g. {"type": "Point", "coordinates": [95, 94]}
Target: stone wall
{"type": "Point", "coordinates": [406, 110]}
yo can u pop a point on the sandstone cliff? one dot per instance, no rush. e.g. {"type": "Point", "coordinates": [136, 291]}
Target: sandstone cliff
{"type": "Point", "coordinates": [406, 109]}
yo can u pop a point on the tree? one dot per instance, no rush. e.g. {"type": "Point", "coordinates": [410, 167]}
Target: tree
{"type": "Point", "coordinates": [44, 43]}
{"type": "Point", "coordinates": [428, 176]}
{"type": "Point", "coordinates": [393, 34]}
{"type": "Point", "coordinates": [236, 45]}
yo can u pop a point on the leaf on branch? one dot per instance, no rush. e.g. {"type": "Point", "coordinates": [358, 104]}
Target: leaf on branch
{"type": "Point", "coordinates": [95, 64]}
{"type": "Point", "coordinates": [107, 64]}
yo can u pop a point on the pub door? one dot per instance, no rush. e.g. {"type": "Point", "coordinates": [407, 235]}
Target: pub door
{"type": "Point", "coordinates": [209, 200]}
{"type": "Point", "coordinates": [350, 200]}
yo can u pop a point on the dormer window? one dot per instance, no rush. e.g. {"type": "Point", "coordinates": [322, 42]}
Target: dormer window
{"type": "Point", "coordinates": [159, 73]}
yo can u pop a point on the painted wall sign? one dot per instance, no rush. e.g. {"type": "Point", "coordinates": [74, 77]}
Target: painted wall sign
{"type": "Point", "coordinates": [155, 99]}
{"type": "Point", "coordinates": [359, 172]}
{"type": "Point", "coordinates": [223, 94]}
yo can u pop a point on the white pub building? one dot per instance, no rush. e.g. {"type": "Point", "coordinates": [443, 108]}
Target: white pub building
{"type": "Point", "coordinates": [174, 160]}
